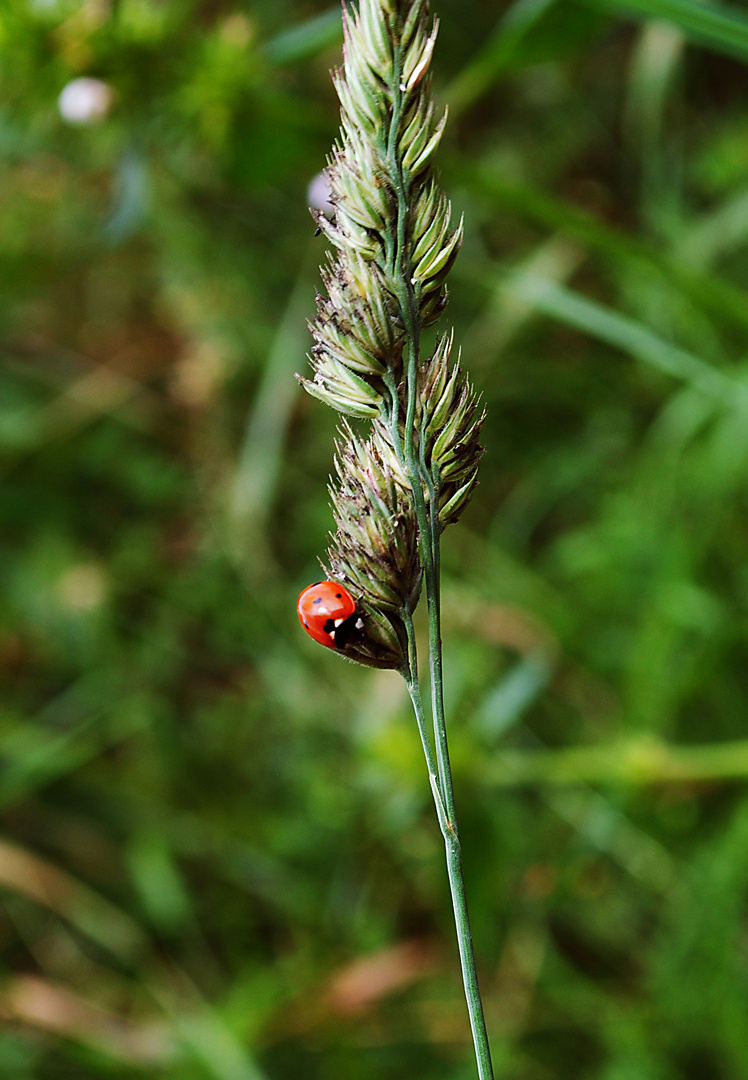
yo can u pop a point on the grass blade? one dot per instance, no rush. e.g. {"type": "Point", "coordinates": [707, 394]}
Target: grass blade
{"type": "Point", "coordinates": [624, 333]}
{"type": "Point", "coordinates": [713, 25]}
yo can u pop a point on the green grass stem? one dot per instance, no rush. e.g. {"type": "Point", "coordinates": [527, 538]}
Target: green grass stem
{"type": "Point", "coordinates": [429, 529]}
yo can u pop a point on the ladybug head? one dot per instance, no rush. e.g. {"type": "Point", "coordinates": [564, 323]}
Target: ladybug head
{"type": "Point", "coordinates": [349, 631]}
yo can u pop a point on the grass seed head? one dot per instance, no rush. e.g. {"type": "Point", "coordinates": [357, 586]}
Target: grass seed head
{"type": "Point", "coordinates": [382, 163]}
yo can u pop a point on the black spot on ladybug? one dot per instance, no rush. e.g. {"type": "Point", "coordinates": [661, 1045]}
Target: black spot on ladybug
{"type": "Point", "coordinates": [329, 627]}
{"type": "Point", "coordinates": [338, 596]}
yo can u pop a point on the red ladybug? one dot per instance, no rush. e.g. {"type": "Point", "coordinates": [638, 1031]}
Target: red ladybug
{"type": "Point", "coordinates": [328, 614]}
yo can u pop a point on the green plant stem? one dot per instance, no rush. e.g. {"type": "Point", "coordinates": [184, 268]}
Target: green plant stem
{"type": "Point", "coordinates": [410, 674]}
{"type": "Point", "coordinates": [448, 827]}
{"type": "Point", "coordinates": [451, 835]}
{"type": "Point", "coordinates": [429, 529]}
{"type": "Point", "coordinates": [433, 593]}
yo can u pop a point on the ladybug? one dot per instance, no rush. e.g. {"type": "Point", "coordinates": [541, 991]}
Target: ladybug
{"type": "Point", "coordinates": [328, 614]}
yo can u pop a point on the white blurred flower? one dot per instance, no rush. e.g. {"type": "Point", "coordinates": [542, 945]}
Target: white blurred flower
{"type": "Point", "coordinates": [318, 194]}
{"type": "Point", "coordinates": [85, 101]}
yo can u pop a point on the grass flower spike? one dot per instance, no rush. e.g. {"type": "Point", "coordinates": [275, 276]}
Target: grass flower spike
{"type": "Point", "coordinates": [398, 486]}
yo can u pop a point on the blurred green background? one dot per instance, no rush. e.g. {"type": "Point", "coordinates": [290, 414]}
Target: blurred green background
{"type": "Point", "coordinates": [218, 857]}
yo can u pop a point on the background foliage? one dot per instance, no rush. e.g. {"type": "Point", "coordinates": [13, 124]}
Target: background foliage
{"type": "Point", "coordinates": [218, 857]}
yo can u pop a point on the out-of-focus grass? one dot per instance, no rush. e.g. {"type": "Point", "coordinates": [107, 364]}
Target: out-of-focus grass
{"type": "Point", "coordinates": [217, 857]}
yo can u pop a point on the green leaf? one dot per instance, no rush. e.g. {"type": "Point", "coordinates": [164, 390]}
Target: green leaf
{"type": "Point", "coordinates": [305, 39]}
{"type": "Point", "coordinates": [629, 335]}
{"type": "Point", "coordinates": [713, 25]}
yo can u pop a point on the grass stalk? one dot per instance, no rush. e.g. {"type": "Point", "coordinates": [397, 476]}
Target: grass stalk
{"type": "Point", "coordinates": [429, 527]}
{"type": "Point", "coordinates": [414, 474]}
{"type": "Point", "coordinates": [440, 778]}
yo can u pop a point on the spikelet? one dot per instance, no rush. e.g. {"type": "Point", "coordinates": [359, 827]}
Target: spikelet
{"type": "Point", "coordinates": [374, 551]}
{"type": "Point", "coordinates": [449, 419]}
